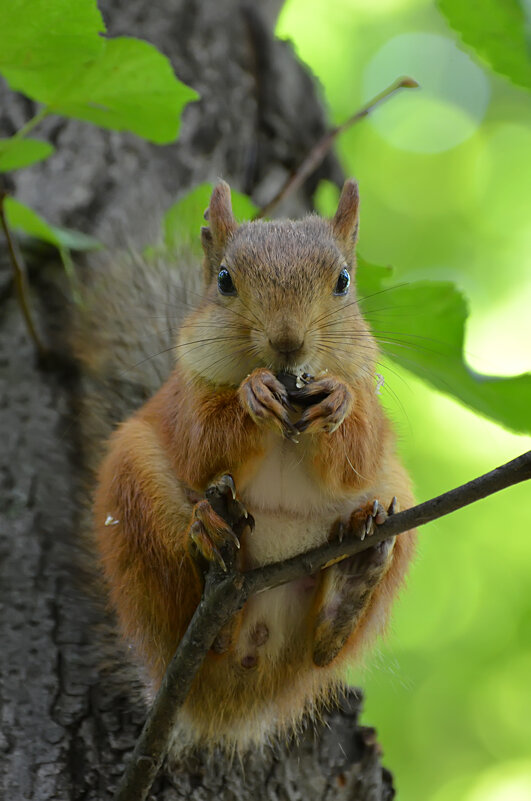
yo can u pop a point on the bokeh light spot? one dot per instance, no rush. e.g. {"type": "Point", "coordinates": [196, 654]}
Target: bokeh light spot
{"type": "Point", "coordinates": [510, 781]}
{"type": "Point", "coordinates": [497, 340]}
{"type": "Point", "coordinates": [448, 108]}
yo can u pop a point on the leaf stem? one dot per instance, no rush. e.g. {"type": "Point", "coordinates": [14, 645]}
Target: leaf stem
{"type": "Point", "coordinates": [319, 151]}
{"type": "Point", "coordinates": [20, 278]}
{"type": "Point", "coordinates": [71, 275]}
{"type": "Point", "coordinates": [31, 124]}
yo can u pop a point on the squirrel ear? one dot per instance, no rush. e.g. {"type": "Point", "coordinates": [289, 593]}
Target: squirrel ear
{"type": "Point", "coordinates": [345, 221]}
{"type": "Point", "coordinates": [221, 226]}
{"type": "Point", "coordinates": [220, 216]}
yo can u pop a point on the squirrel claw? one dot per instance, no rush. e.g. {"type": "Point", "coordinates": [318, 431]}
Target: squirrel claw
{"type": "Point", "coordinates": [211, 535]}
{"type": "Point", "coordinates": [222, 497]}
{"type": "Point", "coordinates": [376, 517]}
{"type": "Point", "coordinates": [227, 481]}
{"type": "Point", "coordinates": [363, 522]}
{"type": "Point", "coordinates": [205, 546]}
{"type": "Point", "coordinates": [223, 486]}
{"type": "Point", "coordinates": [330, 401]}
{"type": "Point", "coordinates": [394, 506]}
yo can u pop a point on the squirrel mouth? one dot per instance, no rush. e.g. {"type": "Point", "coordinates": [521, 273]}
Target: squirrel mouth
{"type": "Point", "coordinates": [290, 364]}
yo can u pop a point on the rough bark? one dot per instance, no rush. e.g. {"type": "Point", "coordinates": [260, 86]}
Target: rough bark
{"type": "Point", "coordinates": [67, 724]}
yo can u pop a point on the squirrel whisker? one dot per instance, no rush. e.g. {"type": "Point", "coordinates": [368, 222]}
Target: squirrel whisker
{"type": "Point", "coordinates": [356, 302]}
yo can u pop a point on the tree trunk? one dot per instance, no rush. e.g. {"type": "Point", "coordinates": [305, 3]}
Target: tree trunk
{"type": "Point", "coordinates": [67, 725]}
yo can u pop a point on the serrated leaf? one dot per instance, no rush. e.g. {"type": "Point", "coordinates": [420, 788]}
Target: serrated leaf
{"type": "Point", "coordinates": [21, 218]}
{"type": "Point", "coordinates": [497, 30]}
{"type": "Point", "coordinates": [182, 222]}
{"type": "Point", "coordinates": [17, 153]}
{"type": "Point", "coordinates": [43, 43]}
{"type": "Point", "coordinates": [421, 326]}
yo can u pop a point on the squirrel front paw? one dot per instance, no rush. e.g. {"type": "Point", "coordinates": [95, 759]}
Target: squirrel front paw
{"type": "Point", "coordinates": [211, 537]}
{"type": "Point", "coordinates": [327, 414]}
{"type": "Point", "coordinates": [266, 400]}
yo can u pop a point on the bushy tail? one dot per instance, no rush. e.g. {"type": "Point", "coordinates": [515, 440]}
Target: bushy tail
{"type": "Point", "coordinates": [123, 337]}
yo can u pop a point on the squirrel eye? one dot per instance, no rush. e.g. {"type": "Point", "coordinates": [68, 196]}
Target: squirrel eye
{"type": "Point", "coordinates": [342, 282]}
{"type": "Point", "coordinates": [225, 285]}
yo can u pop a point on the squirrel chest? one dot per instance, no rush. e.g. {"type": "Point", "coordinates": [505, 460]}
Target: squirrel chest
{"type": "Point", "coordinates": [292, 514]}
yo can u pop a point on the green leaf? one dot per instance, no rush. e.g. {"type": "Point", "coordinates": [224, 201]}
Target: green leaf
{"type": "Point", "coordinates": [421, 326]}
{"type": "Point", "coordinates": [22, 218]}
{"type": "Point", "coordinates": [497, 31]}
{"type": "Point", "coordinates": [130, 86]}
{"type": "Point", "coordinates": [52, 52]}
{"type": "Point", "coordinates": [17, 153]}
{"type": "Point", "coordinates": [75, 240]}
{"type": "Point", "coordinates": [182, 222]}
{"type": "Point", "coordinates": [44, 43]}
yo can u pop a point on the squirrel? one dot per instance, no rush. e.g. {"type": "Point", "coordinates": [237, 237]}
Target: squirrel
{"type": "Point", "coordinates": [272, 395]}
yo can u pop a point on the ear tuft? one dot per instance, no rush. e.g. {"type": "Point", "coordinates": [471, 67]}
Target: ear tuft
{"type": "Point", "coordinates": [345, 221]}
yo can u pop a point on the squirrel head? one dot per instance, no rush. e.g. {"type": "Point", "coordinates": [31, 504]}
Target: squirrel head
{"type": "Point", "coordinates": [278, 294]}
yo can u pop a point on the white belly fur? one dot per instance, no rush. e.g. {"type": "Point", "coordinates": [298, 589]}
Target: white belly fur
{"type": "Point", "coordinates": [292, 514]}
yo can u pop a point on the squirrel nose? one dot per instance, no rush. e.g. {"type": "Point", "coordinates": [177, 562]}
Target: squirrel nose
{"type": "Point", "coordinates": [287, 345]}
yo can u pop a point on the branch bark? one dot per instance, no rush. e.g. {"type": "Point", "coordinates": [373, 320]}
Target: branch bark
{"type": "Point", "coordinates": [223, 599]}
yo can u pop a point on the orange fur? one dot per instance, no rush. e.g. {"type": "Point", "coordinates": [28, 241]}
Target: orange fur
{"type": "Point", "coordinates": [201, 424]}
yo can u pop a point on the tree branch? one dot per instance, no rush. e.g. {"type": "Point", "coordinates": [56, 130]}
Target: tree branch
{"type": "Point", "coordinates": [223, 599]}
{"type": "Point", "coordinates": [318, 153]}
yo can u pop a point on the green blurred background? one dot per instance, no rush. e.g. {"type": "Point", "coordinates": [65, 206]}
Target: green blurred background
{"type": "Point", "coordinates": [445, 181]}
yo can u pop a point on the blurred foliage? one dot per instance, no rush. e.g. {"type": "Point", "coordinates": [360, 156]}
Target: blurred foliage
{"type": "Point", "coordinates": [430, 342]}
{"type": "Point", "coordinates": [444, 178]}
{"type": "Point", "coordinates": [180, 222]}
{"type": "Point", "coordinates": [18, 153]}
{"type": "Point", "coordinates": [20, 217]}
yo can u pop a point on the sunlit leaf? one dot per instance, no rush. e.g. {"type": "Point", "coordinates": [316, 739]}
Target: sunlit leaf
{"type": "Point", "coordinates": [52, 51]}
{"type": "Point", "coordinates": [421, 326]}
{"type": "Point", "coordinates": [43, 43]}
{"type": "Point", "coordinates": [498, 32]}
{"type": "Point", "coordinates": [17, 153]}
{"type": "Point", "coordinates": [22, 218]}
{"type": "Point", "coordinates": [130, 86]}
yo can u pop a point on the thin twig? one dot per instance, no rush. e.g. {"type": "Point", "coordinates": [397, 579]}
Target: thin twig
{"type": "Point", "coordinates": [318, 153]}
{"type": "Point", "coordinates": [21, 282]}
{"type": "Point", "coordinates": [224, 599]}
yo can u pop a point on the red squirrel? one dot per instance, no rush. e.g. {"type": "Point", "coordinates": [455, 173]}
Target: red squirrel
{"type": "Point", "coordinates": [279, 298]}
